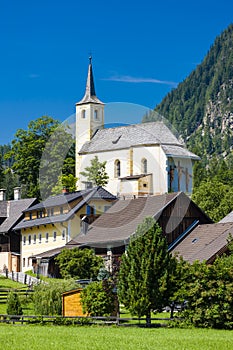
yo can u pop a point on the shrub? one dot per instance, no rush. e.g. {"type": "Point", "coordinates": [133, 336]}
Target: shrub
{"type": "Point", "coordinates": [14, 305]}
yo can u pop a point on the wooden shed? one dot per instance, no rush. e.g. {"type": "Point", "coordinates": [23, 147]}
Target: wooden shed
{"type": "Point", "coordinates": [71, 303]}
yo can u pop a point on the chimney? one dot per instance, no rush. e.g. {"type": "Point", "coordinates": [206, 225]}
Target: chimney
{"type": "Point", "coordinates": [65, 190]}
{"type": "Point", "coordinates": [2, 194]}
{"type": "Point", "coordinates": [17, 193]}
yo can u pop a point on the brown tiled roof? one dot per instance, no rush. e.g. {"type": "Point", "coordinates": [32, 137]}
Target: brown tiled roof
{"type": "Point", "coordinates": [204, 242]}
{"type": "Point", "coordinates": [117, 225]}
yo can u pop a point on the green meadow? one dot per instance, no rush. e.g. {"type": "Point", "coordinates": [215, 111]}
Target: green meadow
{"type": "Point", "coordinates": [35, 337]}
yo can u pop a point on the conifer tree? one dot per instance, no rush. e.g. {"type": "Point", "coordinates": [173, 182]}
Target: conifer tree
{"type": "Point", "coordinates": [96, 172]}
{"type": "Point", "coordinates": [146, 278]}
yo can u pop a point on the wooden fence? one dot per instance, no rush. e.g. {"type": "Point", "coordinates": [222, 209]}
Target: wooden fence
{"type": "Point", "coordinates": [80, 320]}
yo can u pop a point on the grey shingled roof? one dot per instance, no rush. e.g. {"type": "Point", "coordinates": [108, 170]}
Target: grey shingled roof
{"type": "Point", "coordinates": [64, 198]}
{"type": "Point", "coordinates": [204, 242]}
{"type": "Point", "coordinates": [228, 218]}
{"type": "Point", "coordinates": [154, 133]}
{"type": "Point", "coordinates": [15, 212]}
{"type": "Point", "coordinates": [3, 209]}
{"type": "Point", "coordinates": [86, 196]}
{"type": "Point", "coordinates": [117, 225]}
{"type": "Point", "coordinates": [178, 151]}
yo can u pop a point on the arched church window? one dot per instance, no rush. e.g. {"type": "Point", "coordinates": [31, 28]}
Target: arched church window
{"type": "Point", "coordinates": [117, 169]}
{"type": "Point", "coordinates": [144, 166]}
{"type": "Point", "coordinates": [83, 114]}
{"type": "Point", "coordinates": [95, 114]}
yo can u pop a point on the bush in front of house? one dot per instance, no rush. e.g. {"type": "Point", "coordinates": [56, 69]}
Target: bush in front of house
{"type": "Point", "coordinates": [99, 299]}
{"type": "Point", "coordinates": [14, 305]}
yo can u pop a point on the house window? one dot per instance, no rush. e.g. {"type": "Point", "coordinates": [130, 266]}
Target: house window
{"type": "Point", "coordinates": [52, 211]}
{"type": "Point", "coordinates": [63, 235]}
{"type": "Point", "coordinates": [29, 239]}
{"type": "Point", "coordinates": [23, 262]}
{"type": "Point", "coordinates": [90, 210]}
{"type": "Point", "coordinates": [30, 216]}
{"type": "Point", "coordinates": [48, 212]}
{"type": "Point", "coordinates": [28, 261]}
{"type": "Point", "coordinates": [61, 210]}
{"type": "Point", "coordinates": [46, 237]}
{"type": "Point", "coordinates": [117, 168]}
{"type": "Point", "coordinates": [40, 237]}
{"type": "Point", "coordinates": [54, 236]}
{"type": "Point", "coordinates": [83, 114]}
{"type": "Point", "coordinates": [24, 240]}
{"type": "Point", "coordinates": [95, 114]}
{"type": "Point", "coordinates": [34, 239]}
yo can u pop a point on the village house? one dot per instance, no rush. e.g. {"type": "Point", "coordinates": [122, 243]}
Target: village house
{"type": "Point", "coordinates": [110, 234]}
{"type": "Point", "coordinates": [55, 221]}
{"type": "Point", "coordinates": [11, 212]}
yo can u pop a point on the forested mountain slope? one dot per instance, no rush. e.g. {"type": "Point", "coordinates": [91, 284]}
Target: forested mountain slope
{"type": "Point", "coordinates": [201, 107]}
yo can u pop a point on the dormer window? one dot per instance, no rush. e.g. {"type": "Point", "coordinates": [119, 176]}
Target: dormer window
{"type": "Point", "coordinates": [83, 113]}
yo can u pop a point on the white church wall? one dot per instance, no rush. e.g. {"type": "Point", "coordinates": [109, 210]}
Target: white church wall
{"type": "Point", "coordinates": [156, 165]}
{"type": "Point", "coordinates": [110, 157]}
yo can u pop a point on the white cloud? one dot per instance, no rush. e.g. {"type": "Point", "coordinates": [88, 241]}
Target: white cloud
{"type": "Point", "coordinates": [129, 79]}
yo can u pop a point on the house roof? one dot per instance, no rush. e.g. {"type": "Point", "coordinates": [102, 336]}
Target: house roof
{"type": "Point", "coordinates": [117, 225]}
{"type": "Point", "coordinates": [204, 242]}
{"type": "Point", "coordinates": [228, 218]}
{"type": "Point", "coordinates": [154, 133]}
{"type": "Point", "coordinates": [50, 253]}
{"type": "Point", "coordinates": [84, 196]}
{"type": "Point", "coordinates": [13, 212]}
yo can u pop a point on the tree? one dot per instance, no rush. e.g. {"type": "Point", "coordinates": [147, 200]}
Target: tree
{"type": "Point", "coordinates": [39, 154]}
{"type": "Point", "coordinates": [47, 296]}
{"type": "Point", "coordinates": [214, 198]}
{"type": "Point", "coordinates": [79, 263]}
{"type": "Point", "coordinates": [65, 181]}
{"type": "Point", "coordinates": [96, 173]}
{"type": "Point", "coordinates": [14, 305]}
{"type": "Point", "coordinates": [98, 298]}
{"type": "Point", "coordinates": [146, 277]}
{"type": "Point", "coordinates": [27, 149]}
{"type": "Point", "coordinates": [207, 290]}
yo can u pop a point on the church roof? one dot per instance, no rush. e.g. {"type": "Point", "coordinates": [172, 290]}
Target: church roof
{"type": "Point", "coordinates": [154, 133]}
{"type": "Point", "coordinates": [90, 95]}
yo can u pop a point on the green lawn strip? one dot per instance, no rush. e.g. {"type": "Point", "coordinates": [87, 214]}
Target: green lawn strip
{"type": "Point", "coordinates": [117, 338]}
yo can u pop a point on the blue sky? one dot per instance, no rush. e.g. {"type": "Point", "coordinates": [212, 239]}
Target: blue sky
{"type": "Point", "coordinates": [141, 50]}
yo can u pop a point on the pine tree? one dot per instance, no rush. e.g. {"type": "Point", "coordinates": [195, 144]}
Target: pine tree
{"type": "Point", "coordinates": [96, 173]}
{"type": "Point", "coordinates": [146, 278]}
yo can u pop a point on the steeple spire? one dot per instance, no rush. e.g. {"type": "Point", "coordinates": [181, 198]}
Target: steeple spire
{"type": "Point", "coordinates": [90, 95]}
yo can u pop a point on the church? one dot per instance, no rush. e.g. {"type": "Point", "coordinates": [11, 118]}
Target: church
{"type": "Point", "coordinates": [141, 159]}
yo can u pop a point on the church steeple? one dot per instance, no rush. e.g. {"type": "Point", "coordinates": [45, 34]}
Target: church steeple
{"type": "Point", "coordinates": [90, 95]}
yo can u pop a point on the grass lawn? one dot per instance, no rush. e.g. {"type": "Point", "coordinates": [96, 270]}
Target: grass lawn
{"type": "Point", "coordinates": [116, 338]}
